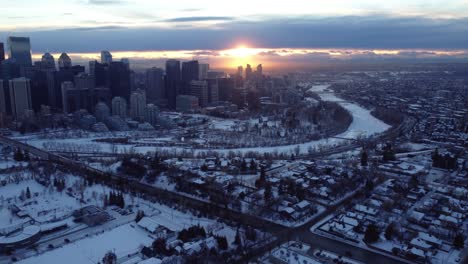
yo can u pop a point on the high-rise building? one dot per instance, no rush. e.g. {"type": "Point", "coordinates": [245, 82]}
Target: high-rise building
{"type": "Point", "coordinates": [64, 61]}
{"type": "Point", "coordinates": [240, 71]}
{"type": "Point", "coordinates": [152, 114]}
{"type": "Point", "coordinates": [101, 112]}
{"type": "Point", "coordinates": [155, 85]}
{"type": "Point", "coordinates": [2, 52]}
{"type": "Point", "coordinates": [225, 88]}
{"type": "Point", "coordinates": [187, 103]}
{"type": "Point", "coordinates": [119, 107]}
{"type": "Point", "coordinates": [106, 57]}
{"type": "Point", "coordinates": [39, 89]}
{"type": "Point", "coordinates": [200, 90]}
{"type": "Point", "coordinates": [9, 70]}
{"type": "Point", "coordinates": [84, 81]}
{"type": "Point", "coordinates": [138, 105]}
{"type": "Point", "coordinates": [190, 72]}
{"type": "Point", "coordinates": [3, 99]}
{"type": "Point", "coordinates": [100, 72]}
{"type": "Point", "coordinates": [48, 61]}
{"type": "Point", "coordinates": [66, 87]}
{"type": "Point", "coordinates": [20, 96]}
{"type": "Point", "coordinates": [203, 69]}
{"type": "Point", "coordinates": [119, 80]}
{"type": "Point", "coordinates": [126, 62]}
{"type": "Point", "coordinates": [172, 82]}
{"type": "Point", "coordinates": [19, 49]}
{"type": "Point", "coordinates": [248, 72]}
{"type": "Point", "coordinates": [213, 91]}
{"type": "Point", "coordinates": [259, 70]}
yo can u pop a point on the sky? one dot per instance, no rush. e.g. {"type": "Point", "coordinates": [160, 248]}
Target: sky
{"type": "Point", "coordinates": [232, 32]}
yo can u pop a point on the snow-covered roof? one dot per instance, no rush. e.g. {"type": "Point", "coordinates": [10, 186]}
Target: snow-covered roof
{"type": "Point", "coordinates": [148, 224]}
{"type": "Point", "coordinates": [303, 204]}
{"type": "Point", "coordinates": [430, 238]}
{"type": "Point", "coordinates": [151, 261]}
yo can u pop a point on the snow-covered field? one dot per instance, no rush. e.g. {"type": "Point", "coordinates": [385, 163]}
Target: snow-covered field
{"type": "Point", "coordinates": [363, 125]}
{"type": "Point", "coordinates": [122, 240]}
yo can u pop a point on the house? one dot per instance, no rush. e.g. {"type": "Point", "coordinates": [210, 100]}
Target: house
{"type": "Point", "coordinates": [91, 215]}
{"type": "Point", "coordinates": [302, 206]}
{"type": "Point", "coordinates": [152, 227]}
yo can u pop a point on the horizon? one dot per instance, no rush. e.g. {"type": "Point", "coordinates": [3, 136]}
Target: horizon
{"type": "Point", "coordinates": [361, 30]}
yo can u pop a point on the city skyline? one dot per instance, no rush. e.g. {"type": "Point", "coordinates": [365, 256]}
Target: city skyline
{"type": "Point", "coordinates": [269, 33]}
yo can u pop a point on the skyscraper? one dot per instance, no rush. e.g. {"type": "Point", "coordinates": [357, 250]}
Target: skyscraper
{"type": "Point", "coordinates": [200, 90]}
{"type": "Point", "coordinates": [48, 61]}
{"type": "Point", "coordinates": [66, 87]}
{"type": "Point", "coordinates": [213, 90]}
{"type": "Point", "coordinates": [152, 114]}
{"type": "Point", "coordinates": [172, 81]}
{"type": "Point", "coordinates": [126, 62]}
{"type": "Point", "coordinates": [19, 49]}
{"type": "Point", "coordinates": [84, 81]}
{"type": "Point", "coordinates": [119, 107]}
{"type": "Point", "coordinates": [248, 72]}
{"type": "Point", "coordinates": [225, 88]}
{"type": "Point", "coordinates": [203, 69]}
{"type": "Point", "coordinates": [155, 85]}
{"type": "Point", "coordinates": [20, 96]}
{"type": "Point", "coordinates": [190, 72]}
{"type": "Point", "coordinates": [2, 52]}
{"type": "Point", "coordinates": [240, 71]}
{"type": "Point", "coordinates": [100, 72]}
{"type": "Point", "coordinates": [64, 61]}
{"type": "Point", "coordinates": [138, 105]}
{"type": "Point", "coordinates": [119, 80]}
{"type": "Point", "coordinates": [106, 57]}
{"type": "Point", "coordinates": [101, 111]}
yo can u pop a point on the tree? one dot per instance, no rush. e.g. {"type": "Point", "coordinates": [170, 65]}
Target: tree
{"type": "Point", "coordinates": [372, 234]}
{"type": "Point", "coordinates": [140, 214]}
{"type": "Point", "coordinates": [414, 182]}
{"type": "Point", "coordinates": [159, 246]}
{"type": "Point", "coordinates": [109, 258]}
{"type": "Point", "coordinates": [28, 193]}
{"type": "Point", "coordinates": [250, 234]}
{"type": "Point", "coordinates": [389, 231]}
{"type": "Point", "coordinates": [253, 165]}
{"type": "Point", "coordinates": [459, 241]}
{"type": "Point", "coordinates": [237, 239]}
{"type": "Point", "coordinates": [267, 194]}
{"type": "Point", "coordinates": [388, 153]}
{"type": "Point", "coordinates": [18, 156]}
{"type": "Point", "coordinates": [222, 242]}
{"type": "Point", "coordinates": [364, 158]}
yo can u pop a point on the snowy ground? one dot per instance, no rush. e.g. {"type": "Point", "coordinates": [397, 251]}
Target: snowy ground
{"type": "Point", "coordinates": [122, 240]}
{"type": "Point", "coordinates": [363, 125]}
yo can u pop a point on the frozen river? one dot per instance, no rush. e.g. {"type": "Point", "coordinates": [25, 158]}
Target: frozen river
{"type": "Point", "coordinates": [363, 125]}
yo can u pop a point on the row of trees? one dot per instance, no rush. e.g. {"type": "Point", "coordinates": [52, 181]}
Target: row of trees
{"type": "Point", "coordinates": [116, 199]}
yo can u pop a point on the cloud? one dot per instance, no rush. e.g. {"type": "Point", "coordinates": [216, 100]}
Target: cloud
{"type": "Point", "coordinates": [204, 53]}
{"type": "Point", "coordinates": [97, 28]}
{"type": "Point", "coordinates": [338, 33]}
{"type": "Point", "coordinates": [200, 19]}
{"type": "Point", "coordinates": [191, 9]}
{"type": "Point", "coordinates": [106, 2]}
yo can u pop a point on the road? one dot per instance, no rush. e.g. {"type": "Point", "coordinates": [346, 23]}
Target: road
{"type": "Point", "coordinates": [284, 233]}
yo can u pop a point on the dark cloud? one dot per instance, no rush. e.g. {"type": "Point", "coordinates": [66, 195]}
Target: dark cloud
{"type": "Point", "coordinates": [269, 53]}
{"type": "Point", "coordinates": [200, 19]}
{"type": "Point", "coordinates": [365, 33]}
{"type": "Point", "coordinates": [203, 53]}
